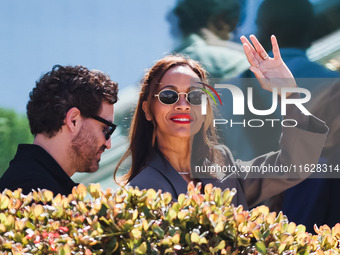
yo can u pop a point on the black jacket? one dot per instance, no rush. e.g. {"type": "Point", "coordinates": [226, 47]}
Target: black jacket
{"type": "Point", "coordinates": [33, 168]}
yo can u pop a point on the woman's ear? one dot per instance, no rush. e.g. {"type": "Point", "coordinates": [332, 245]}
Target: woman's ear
{"type": "Point", "coordinates": [73, 119]}
{"type": "Point", "coordinates": [146, 111]}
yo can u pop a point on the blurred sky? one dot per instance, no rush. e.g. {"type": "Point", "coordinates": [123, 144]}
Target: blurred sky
{"type": "Point", "coordinates": [121, 38]}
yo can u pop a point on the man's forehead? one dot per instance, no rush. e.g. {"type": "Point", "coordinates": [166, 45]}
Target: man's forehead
{"type": "Point", "coordinates": [107, 111]}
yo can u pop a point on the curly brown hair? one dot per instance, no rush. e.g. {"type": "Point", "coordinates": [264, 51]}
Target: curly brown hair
{"type": "Point", "coordinates": [65, 87]}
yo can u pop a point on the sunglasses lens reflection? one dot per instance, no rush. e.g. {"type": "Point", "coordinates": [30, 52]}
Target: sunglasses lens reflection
{"type": "Point", "coordinates": [168, 97]}
{"type": "Point", "coordinates": [195, 97]}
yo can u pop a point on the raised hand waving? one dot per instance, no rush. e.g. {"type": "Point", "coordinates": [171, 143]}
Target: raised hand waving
{"type": "Point", "coordinates": [271, 72]}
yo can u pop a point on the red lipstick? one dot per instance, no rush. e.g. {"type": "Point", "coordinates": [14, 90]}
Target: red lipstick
{"type": "Point", "coordinates": [181, 118]}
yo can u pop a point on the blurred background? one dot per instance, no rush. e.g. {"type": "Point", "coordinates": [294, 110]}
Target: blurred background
{"type": "Point", "coordinates": [121, 38]}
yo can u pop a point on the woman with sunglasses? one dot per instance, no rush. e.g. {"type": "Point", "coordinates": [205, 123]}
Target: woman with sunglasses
{"type": "Point", "coordinates": [169, 135]}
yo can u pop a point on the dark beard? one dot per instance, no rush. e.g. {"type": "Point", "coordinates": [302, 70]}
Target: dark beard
{"type": "Point", "coordinates": [83, 151]}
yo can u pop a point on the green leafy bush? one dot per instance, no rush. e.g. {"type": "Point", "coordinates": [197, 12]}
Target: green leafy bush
{"type": "Point", "coordinates": [14, 129]}
{"type": "Point", "coordinates": [130, 221]}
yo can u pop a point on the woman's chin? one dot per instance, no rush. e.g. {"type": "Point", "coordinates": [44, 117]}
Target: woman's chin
{"type": "Point", "coordinates": [188, 133]}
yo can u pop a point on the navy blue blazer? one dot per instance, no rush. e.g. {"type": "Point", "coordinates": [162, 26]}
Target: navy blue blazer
{"type": "Point", "coordinates": [299, 146]}
{"type": "Point", "coordinates": [160, 174]}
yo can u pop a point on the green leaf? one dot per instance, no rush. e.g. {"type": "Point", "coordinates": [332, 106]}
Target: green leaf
{"type": "Point", "coordinates": [47, 196]}
{"type": "Point", "coordinates": [243, 241]}
{"type": "Point", "coordinates": [10, 222]}
{"type": "Point", "coordinates": [203, 240]}
{"type": "Point", "coordinates": [38, 210]}
{"type": "Point", "coordinates": [30, 225]}
{"type": "Point", "coordinates": [181, 199]}
{"type": "Point", "coordinates": [102, 211]}
{"type": "Point", "coordinates": [220, 246]}
{"type": "Point", "coordinates": [112, 245]}
{"type": "Point", "coordinates": [218, 198]}
{"type": "Point", "coordinates": [261, 247]}
{"type": "Point", "coordinates": [94, 190]}
{"type": "Point", "coordinates": [291, 227]}
{"type": "Point", "coordinates": [172, 213]}
{"type": "Point", "coordinates": [176, 238]}
{"type": "Point", "coordinates": [136, 233]}
{"type": "Point", "coordinates": [281, 248]}
{"type": "Point", "coordinates": [141, 249]}
{"type": "Point", "coordinates": [300, 229]}
{"type": "Point", "coordinates": [4, 200]}
{"type": "Point", "coordinates": [187, 238]}
{"type": "Point", "coordinates": [173, 231]}
{"type": "Point", "coordinates": [17, 237]}
{"type": "Point", "coordinates": [266, 234]}
{"type": "Point", "coordinates": [167, 197]}
{"type": "Point", "coordinates": [182, 214]}
{"type": "Point", "coordinates": [219, 227]}
{"type": "Point", "coordinates": [65, 250]}
{"type": "Point", "coordinates": [159, 232]}
{"type": "Point", "coordinates": [228, 195]}
{"type": "Point", "coordinates": [3, 217]}
{"type": "Point", "coordinates": [194, 237]}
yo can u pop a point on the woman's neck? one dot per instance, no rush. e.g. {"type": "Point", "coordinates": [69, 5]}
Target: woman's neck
{"type": "Point", "coordinates": [177, 151]}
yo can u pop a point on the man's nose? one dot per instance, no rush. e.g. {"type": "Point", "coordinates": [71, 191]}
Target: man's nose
{"type": "Point", "coordinates": [108, 143]}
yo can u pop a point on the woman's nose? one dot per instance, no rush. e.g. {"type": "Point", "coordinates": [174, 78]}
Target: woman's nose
{"type": "Point", "coordinates": [182, 103]}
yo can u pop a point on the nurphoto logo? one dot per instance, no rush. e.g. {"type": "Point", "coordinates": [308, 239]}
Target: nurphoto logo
{"type": "Point", "coordinates": [239, 104]}
{"type": "Point", "coordinates": [204, 97]}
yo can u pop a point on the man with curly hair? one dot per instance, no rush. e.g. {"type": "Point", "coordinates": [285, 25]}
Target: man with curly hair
{"type": "Point", "coordinates": [70, 114]}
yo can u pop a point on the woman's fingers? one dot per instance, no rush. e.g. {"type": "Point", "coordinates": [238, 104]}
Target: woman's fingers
{"type": "Point", "coordinates": [250, 55]}
{"type": "Point", "coordinates": [257, 72]}
{"type": "Point", "coordinates": [244, 40]}
{"type": "Point", "coordinates": [271, 72]}
{"type": "Point", "coordinates": [260, 50]}
{"type": "Point", "coordinates": [276, 49]}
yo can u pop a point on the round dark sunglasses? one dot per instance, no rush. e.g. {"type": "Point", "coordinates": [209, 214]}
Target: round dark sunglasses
{"type": "Point", "coordinates": [169, 96]}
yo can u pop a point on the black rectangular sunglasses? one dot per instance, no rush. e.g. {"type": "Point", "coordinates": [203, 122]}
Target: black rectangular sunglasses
{"type": "Point", "coordinates": [106, 122]}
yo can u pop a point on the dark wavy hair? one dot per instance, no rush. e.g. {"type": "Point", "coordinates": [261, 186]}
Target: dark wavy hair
{"type": "Point", "coordinates": [143, 132]}
{"type": "Point", "coordinates": [195, 14]}
{"type": "Point", "coordinates": [292, 22]}
{"type": "Point", "coordinates": [63, 88]}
